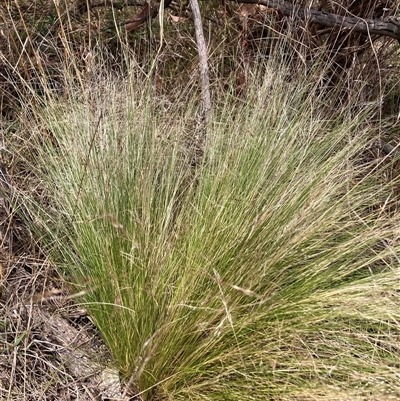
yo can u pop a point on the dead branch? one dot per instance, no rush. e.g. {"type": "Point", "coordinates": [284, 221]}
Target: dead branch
{"type": "Point", "coordinates": [203, 60]}
{"type": "Point", "coordinates": [388, 27]}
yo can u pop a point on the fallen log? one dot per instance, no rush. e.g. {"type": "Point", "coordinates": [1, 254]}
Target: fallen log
{"type": "Point", "coordinates": [388, 27]}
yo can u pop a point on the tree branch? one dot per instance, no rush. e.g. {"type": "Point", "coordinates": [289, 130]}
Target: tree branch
{"type": "Point", "coordinates": [367, 26]}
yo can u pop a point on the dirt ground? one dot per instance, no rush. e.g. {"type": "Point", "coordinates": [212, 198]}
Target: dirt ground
{"type": "Point", "coordinates": [49, 348]}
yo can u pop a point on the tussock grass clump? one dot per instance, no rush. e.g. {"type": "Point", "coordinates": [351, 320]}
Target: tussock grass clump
{"type": "Point", "coordinates": [263, 269]}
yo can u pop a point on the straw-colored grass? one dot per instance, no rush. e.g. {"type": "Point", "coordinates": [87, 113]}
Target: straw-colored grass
{"type": "Point", "coordinates": [260, 267]}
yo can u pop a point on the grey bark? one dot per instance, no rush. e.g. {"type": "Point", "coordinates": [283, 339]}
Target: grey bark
{"type": "Point", "coordinates": [203, 60]}
{"type": "Point", "coordinates": [388, 149]}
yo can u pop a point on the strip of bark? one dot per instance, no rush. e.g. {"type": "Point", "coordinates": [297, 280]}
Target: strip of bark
{"type": "Point", "coordinates": [356, 24]}
{"type": "Point", "coordinates": [203, 61]}
{"type": "Point", "coordinates": [142, 17]}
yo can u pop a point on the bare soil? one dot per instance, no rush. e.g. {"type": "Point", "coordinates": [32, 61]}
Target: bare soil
{"type": "Point", "coordinates": [49, 347]}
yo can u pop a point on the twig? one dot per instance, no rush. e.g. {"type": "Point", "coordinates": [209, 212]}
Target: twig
{"type": "Point", "coordinates": [203, 61]}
